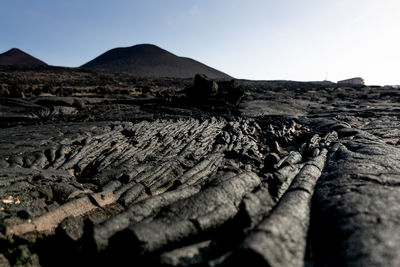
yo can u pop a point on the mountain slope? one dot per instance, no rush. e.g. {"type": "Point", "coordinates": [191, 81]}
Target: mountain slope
{"type": "Point", "coordinates": [148, 60]}
{"type": "Point", "coordinates": [17, 57]}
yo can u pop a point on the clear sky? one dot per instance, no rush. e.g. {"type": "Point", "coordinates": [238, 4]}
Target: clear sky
{"type": "Point", "coordinates": [253, 39]}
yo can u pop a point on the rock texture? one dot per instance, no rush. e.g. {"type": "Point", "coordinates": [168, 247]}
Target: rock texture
{"type": "Point", "coordinates": [102, 169]}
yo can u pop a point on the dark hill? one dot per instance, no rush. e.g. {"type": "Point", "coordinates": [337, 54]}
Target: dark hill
{"type": "Point", "coordinates": [17, 57]}
{"type": "Point", "coordinates": [148, 60]}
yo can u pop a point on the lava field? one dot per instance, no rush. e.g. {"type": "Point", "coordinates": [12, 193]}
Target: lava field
{"type": "Point", "coordinates": [106, 169]}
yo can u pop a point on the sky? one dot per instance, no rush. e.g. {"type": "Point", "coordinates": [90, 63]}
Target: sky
{"type": "Point", "coordinates": [303, 40]}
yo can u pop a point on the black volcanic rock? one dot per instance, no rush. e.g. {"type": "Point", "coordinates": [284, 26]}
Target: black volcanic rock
{"type": "Point", "coordinates": [16, 57]}
{"type": "Point", "coordinates": [99, 170]}
{"type": "Point", "coordinates": [203, 87]}
{"type": "Point", "coordinates": [148, 60]}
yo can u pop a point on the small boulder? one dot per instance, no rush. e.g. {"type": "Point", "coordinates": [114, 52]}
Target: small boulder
{"type": "Point", "coordinates": [230, 91]}
{"type": "Point", "coordinates": [71, 228]}
{"type": "Point", "coordinates": [16, 91]}
{"type": "Point", "coordinates": [203, 87]}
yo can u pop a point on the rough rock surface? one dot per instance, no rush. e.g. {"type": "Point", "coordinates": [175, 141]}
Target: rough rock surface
{"type": "Point", "coordinates": [103, 169]}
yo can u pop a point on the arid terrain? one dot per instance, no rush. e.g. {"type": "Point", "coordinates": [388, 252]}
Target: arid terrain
{"type": "Point", "coordinates": [107, 169]}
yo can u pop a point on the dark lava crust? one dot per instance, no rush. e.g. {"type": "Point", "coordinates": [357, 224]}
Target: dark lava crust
{"type": "Point", "coordinates": [103, 169]}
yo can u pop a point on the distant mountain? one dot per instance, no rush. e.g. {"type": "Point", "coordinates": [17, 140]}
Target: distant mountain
{"type": "Point", "coordinates": [148, 60]}
{"type": "Point", "coordinates": [17, 57]}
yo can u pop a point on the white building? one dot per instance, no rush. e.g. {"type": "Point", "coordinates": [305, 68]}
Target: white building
{"type": "Point", "coordinates": [352, 81]}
